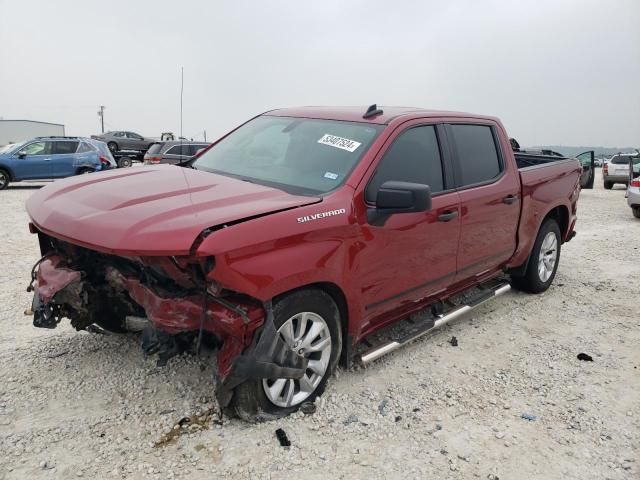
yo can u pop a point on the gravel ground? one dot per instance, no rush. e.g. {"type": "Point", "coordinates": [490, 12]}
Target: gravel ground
{"type": "Point", "coordinates": [85, 405]}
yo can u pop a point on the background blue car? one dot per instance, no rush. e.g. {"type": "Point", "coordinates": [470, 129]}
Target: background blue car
{"type": "Point", "coordinates": [52, 157]}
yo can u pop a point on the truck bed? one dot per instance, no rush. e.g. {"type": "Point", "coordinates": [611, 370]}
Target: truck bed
{"type": "Point", "coordinates": [526, 160]}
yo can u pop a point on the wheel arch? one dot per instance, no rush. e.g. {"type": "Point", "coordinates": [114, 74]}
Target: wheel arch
{"type": "Point", "coordinates": [560, 213]}
{"type": "Point", "coordinates": [339, 297]}
{"type": "Point", "coordinates": [8, 170]}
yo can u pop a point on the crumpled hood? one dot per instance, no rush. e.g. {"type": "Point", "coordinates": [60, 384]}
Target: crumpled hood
{"type": "Point", "coordinates": [157, 210]}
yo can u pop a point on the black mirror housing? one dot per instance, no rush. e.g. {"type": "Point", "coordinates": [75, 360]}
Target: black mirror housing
{"type": "Point", "coordinates": [399, 197]}
{"type": "Point", "coordinates": [22, 155]}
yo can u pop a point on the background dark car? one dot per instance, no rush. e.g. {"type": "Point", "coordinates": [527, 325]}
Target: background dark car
{"type": "Point", "coordinates": [174, 153]}
{"type": "Point", "coordinates": [123, 140]}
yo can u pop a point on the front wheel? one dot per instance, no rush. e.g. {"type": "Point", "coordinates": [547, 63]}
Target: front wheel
{"type": "Point", "coordinates": [4, 179]}
{"type": "Point", "coordinates": [308, 321]}
{"type": "Point", "coordinates": [544, 260]}
{"type": "Point", "coordinates": [608, 185]}
{"type": "Point", "coordinates": [636, 211]}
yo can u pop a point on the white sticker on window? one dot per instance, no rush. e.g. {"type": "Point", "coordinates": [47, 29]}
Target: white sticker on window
{"type": "Point", "coordinates": [339, 142]}
{"type": "Point", "coordinates": [331, 175]}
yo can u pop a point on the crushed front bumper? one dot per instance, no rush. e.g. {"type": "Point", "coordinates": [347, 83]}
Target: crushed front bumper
{"type": "Point", "coordinates": [249, 345]}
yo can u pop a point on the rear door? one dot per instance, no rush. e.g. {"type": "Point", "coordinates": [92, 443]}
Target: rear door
{"type": "Point", "coordinates": [587, 160]}
{"type": "Point", "coordinates": [489, 191]}
{"type": "Point", "coordinates": [63, 158]}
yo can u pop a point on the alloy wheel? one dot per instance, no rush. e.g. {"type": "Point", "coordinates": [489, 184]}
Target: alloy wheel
{"type": "Point", "coordinates": [307, 334]}
{"type": "Point", "coordinates": [548, 256]}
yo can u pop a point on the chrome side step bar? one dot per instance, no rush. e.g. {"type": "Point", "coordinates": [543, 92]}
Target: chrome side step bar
{"type": "Point", "coordinates": [388, 347]}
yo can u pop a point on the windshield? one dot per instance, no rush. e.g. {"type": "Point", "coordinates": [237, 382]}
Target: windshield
{"type": "Point", "coordinates": [308, 155]}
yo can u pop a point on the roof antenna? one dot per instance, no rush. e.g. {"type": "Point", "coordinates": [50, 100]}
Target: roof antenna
{"type": "Point", "coordinates": [372, 111]}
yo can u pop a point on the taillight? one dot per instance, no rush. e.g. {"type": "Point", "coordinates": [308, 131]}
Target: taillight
{"type": "Point", "coordinates": [635, 182]}
{"type": "Point", "coordinates": [605, 169]}
{"type": "Point", "coordinates": [154, 159]}
{"type": "Point", "coordinates": [104, 161]}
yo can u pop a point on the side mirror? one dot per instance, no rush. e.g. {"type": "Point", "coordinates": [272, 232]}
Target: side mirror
{"type": "Point", "coordinates": [22, 155]}
{"type": "Point", "coordinates": [399, 197]}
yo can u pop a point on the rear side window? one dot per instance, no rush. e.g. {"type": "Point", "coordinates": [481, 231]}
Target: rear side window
{"type": "Point", "coordinates": [413, 157]}
{"type": "Point", "coordinates": [477, 153]}
{"type": "Point", "coordinates": [85, 147]}
{"type": "Point", "coordinates": [65, 147]}
{"type": "Point", "coordinates": [155, 148]}
{"type": "Point", "coordinates": [179, 150]}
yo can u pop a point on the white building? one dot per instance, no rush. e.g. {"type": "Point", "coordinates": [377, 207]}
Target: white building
{"type": "Point", "coordinates": [14, 131]}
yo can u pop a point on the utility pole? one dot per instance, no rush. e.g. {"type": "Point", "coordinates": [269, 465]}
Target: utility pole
{"type": "Point", "coordinates": [181, 95]}
{"type": "Point", "coordinates": [205, 135]}
{"type": "Point", "coordinates": [101, 115]}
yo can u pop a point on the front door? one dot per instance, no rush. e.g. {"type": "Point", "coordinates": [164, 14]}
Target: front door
{"type": "Point", "coordinates": [412, 255]}
{"type": "Point", "coordinates": [587, 162]}
{"type": "Point", "coordinates": [489, 192]}
{"type": "Point", "coordinates": [33, 161]}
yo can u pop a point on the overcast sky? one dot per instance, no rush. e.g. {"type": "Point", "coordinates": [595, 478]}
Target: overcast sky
{"type": "Point", "coordinates": [556, 72]}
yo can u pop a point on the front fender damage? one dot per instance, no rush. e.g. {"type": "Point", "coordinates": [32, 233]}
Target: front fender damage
{"type": "Point", "coordinates": [249, 346]}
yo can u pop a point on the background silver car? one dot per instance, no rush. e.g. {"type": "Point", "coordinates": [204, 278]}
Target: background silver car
{"type": "Point", "coordinates": [123, 140]}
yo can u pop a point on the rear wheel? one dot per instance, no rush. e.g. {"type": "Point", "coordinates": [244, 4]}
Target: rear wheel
{"type": "Point", "coordinates": [636, 211]}
{"type": "Point", "coordinates": [4, 179]}
{"type": "Point", "coordinates": [113, 146]}
{"type": "Point", "coordinates": [125, 162]}
{"type": "Point", "coordinates": [85, 170]}
{"type": "Point", "coordinates": [308, 321]}
{"type": "Point", "coordinates": [608, 185]}
{"type": "Point", "coordinates": [543, 262]}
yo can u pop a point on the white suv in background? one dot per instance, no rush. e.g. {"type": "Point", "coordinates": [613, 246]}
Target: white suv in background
{"type": "Point", "coordinates": [616, 170]}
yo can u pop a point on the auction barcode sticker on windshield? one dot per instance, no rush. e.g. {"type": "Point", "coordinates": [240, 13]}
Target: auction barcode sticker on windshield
{"type": "Point", "coordinates": [339, 142]}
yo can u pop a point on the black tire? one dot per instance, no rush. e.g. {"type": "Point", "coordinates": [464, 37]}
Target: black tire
{"type": "Point", "coordinates": [636, 211]}
{"type": "Point", "coordinates": [608, 185]}
{"type": "Point", "coordinates": [5, 178]}
{"type": "Point", "coordinates": [125, 162]}
{"type": "Point", "coordinates": [85, 170]}
{"type": "Point", "coordinates": [113, 146]}
{"type": "Point", "coordinates": [531, 281]}
{"type": "Point", "coordinates": [250, 401]}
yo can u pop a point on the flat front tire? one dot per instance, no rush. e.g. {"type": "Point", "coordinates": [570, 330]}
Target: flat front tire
{"type": "Point", "coordinates": [543, 261]}
{"type": "Point", "coordinates": [308, 321]}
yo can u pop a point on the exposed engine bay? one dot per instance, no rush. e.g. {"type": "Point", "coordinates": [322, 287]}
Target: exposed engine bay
{"type": "Point", "coordinates": [180, 309]}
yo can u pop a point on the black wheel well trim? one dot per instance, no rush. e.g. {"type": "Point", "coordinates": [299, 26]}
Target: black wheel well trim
{"type": "Point", "coordinates": [560, 214]}
{"type": "Point", "coordinates": [8, 170]}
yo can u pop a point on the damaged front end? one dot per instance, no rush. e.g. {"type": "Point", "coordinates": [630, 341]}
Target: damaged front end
{"type": "Point", "coordinates": [181, 305]}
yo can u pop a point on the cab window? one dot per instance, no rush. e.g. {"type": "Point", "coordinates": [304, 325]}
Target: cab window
{"type": "Point", "coordinates": [413, 157]}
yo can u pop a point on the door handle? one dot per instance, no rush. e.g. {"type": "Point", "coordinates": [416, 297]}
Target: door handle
{"type": "Point", "coordinates": [509, 199]}
{"type": "Point", "coordinates": [446, 216]}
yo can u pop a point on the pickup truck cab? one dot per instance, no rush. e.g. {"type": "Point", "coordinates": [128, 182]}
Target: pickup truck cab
{"type": "Point", "coordinates": [297, 235]}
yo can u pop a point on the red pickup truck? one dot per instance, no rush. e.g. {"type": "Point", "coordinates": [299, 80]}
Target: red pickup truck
{"type": "Point", "coordinates": [297, 235]}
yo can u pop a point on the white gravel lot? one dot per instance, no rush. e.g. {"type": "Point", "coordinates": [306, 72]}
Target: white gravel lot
{"type": "Point", "coordinates": [84, 405]}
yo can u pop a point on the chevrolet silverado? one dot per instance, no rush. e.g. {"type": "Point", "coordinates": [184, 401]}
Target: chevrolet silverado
{"type": "Point", "coordinates": [299, 234]}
